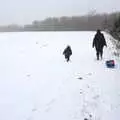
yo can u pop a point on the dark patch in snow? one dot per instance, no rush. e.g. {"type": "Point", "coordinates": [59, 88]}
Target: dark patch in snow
{"type": "Point", "coordinates": [36, 42]}
{"type": "Point", "coordinates": [44, 45]}
{"type": "Point", "coordinates": [28, 75]}
{"type": "Point", "coordinates": [96, 97]}
{"type": "Point", "coordinates": [85, 119]}
{"type": "Point", "coordinates": [90, 116]}
{"type": "Point", "coordinates": [88, 86]}
{"type": "Point", "coordinates": [85, 76]}
{"type": "Point", "coordinates": [80, 78]}
{"type": "Point", "coordinates": [34, 109]}
{"type": "Point", "coordinates": [89, 74]}
{"type": "Point", "coordinates": [81, 91]}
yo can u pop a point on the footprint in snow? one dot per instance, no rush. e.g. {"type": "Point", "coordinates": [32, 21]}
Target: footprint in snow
{"type": "Point", "coordinates": [44, 45]}
{"type": "Point", "coordinates": [96, 97]}
{"type": "Point", "coordinates": [88, 74]}
{"type": "Point", "coordinates": [90, 117]}
{"type": "Point", "coordinates": [81, 91]}
{"type": "Point", "coordinates": [51, 102]}
{"type": "Point", "coordinates": [80, 78]}
{"type": "Point", "coordinates": [34, 110]}
{"type": "Point", "coordinates": [28, 75]}
{"type": "Point", "coordinates": [36, 42]}
{"type": "Point", "coordinates": [49, 105]}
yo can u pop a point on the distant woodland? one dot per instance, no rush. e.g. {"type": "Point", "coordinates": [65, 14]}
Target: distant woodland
{"type": "Point", "coordinates": [89, 22]}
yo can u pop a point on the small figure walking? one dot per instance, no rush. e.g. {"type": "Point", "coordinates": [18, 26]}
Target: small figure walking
{"type": "Point", "coordinates": [67, 53]}
{"type": "Point", "coordinates": [99, 42]}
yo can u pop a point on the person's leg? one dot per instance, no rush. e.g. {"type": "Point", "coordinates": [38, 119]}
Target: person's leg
{"type": "Point", "coordinates": [97, 54]}
{"type": "Point", "coordinates": [68, 58]}
{"type": "Point", "coordinates": [101, 52]}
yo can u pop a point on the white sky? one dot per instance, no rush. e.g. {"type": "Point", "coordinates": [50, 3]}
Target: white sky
{"type": "Point", "coordinates": [25, 11]}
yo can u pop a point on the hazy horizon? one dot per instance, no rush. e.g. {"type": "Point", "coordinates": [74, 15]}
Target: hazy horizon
{"type": "Point", "coordinates": [25, 11]}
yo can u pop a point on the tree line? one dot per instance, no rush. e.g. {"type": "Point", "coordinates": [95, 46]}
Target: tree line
{"type": "Point", "coordinates": [89, 22]}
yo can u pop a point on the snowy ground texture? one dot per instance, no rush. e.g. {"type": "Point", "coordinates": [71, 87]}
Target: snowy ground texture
{"type": "Point", "coordinates": [36, 83]}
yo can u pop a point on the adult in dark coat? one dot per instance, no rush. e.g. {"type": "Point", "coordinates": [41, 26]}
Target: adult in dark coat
{"type": "Point", "coordinates": [99, 42]}
{"type": "Point", "coordinates": [67, 52]}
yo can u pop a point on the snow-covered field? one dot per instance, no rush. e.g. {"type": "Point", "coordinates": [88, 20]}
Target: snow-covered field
{"type": "Point", "coordinates": [36, 83]}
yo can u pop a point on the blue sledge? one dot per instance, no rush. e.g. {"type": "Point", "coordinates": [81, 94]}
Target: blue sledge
{"type": "Point", "coordinates": [110, 64]}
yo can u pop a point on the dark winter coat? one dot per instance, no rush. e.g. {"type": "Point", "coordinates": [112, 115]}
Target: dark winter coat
{"type": "Point", "coordinates": [67, 52]}
{"type": "Point", "coordinates": [99, 41]}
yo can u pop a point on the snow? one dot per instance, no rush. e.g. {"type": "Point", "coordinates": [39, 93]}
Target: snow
{"type": "Point", "coordinates": [36, 83]}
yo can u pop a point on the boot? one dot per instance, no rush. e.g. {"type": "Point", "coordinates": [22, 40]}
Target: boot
{"type": "Point", "coordinates": [68, 59]}
{"type": "Point", "coordinates": [97, 56]}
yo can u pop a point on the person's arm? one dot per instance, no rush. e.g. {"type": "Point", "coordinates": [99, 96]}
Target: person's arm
{"type": "Point", "coordinates": [93, 44]}
{"type": "Point", "coordinates": [105, 43]}
{"type": "Point", "coordinates": [71, 51]}
{"type": "Point", "coordinates": [104, 40]}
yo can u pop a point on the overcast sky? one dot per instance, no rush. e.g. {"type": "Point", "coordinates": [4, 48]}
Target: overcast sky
{"type": "Point", "coordinates": [25, 11]}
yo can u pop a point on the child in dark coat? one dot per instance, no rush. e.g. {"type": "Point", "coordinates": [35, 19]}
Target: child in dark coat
{"type": "Point", "coordinates": [67, 53]}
